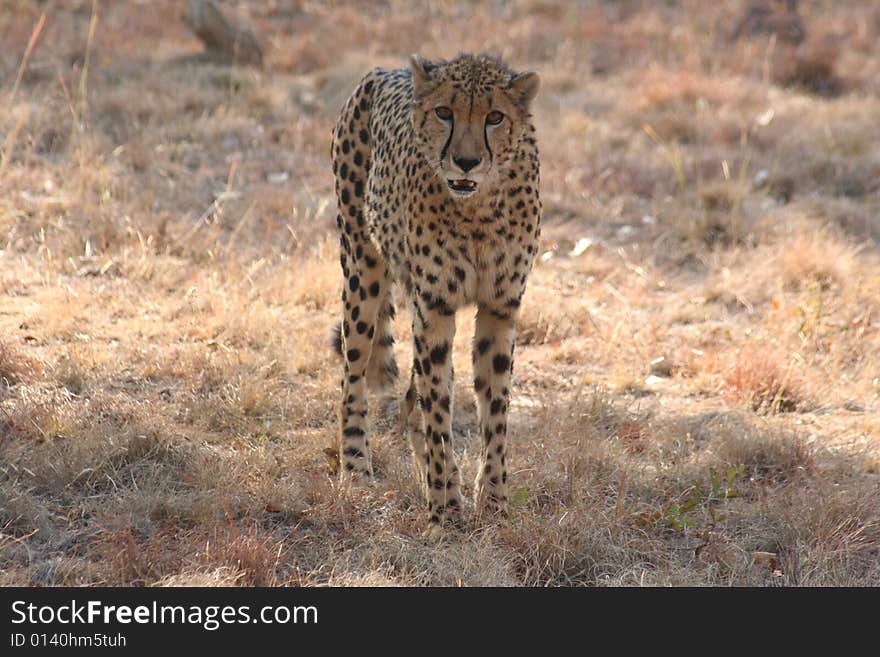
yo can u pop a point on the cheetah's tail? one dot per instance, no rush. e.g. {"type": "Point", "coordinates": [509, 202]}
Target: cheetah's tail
{"type": "Point", "coordinates": [336, 339]}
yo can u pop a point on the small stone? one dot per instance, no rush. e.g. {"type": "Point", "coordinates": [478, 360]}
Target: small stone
{"type": "Point", "coordinates": [582, 245]}
{"type": "Point", "coordinates": [278, 177]}
{"type": "Point", "coordinates": [661, 366]}
{"type": "Point", "coordinates": [626, 232]}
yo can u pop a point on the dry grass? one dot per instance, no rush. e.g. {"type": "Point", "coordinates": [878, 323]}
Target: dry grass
{"type": "Point", "coordinates": [762, 378]}
{"type": "Point", "coordinates": [169, 277]}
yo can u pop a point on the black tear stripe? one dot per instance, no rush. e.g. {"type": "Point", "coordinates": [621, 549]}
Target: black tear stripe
{"type": "Point", "coordinates": [486, 131]}
{"type": "Point", "coordinates": [448, 139]}
{"type": "Point", "coordinates": [486, 141]}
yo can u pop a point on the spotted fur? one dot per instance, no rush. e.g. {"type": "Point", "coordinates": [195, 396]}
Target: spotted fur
{"type": "Point", "coordinates": [439, 195]}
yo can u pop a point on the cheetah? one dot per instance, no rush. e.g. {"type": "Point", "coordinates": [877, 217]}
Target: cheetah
{"type": "Point", "coordinates": [437, 178]}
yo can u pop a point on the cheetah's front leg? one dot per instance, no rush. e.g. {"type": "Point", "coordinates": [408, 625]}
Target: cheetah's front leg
{"type": "Point", "coordinates": [494, 336]}
{"type": "Point", "coordinates": [433, 333]}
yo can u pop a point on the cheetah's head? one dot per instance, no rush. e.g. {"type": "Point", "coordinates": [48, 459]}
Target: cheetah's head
{"type": "Point", "coordinates": [469, 116]}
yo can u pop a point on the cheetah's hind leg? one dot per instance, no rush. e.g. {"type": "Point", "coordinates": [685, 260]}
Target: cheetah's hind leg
{"type": "Point", "coordinates": [412, 424]}
{"type": "Point", "coordinates": [382, 370]}
{"type": "Point", "coordinates": [366, 292]}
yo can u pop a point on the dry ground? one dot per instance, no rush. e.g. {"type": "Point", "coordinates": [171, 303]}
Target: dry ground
{"type": "Point", "coordinates": [168, 279]}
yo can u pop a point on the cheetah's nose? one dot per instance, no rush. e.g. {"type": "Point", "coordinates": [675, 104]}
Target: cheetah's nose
{"type": "Point", "coordinates": [466, 163]}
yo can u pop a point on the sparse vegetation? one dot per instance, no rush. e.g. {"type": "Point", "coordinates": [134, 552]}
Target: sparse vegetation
{"type": "Point", "coordinates": [169, 277]}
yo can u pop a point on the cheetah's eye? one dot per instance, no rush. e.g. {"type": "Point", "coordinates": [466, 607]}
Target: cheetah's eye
{"type": "Point", "coordinates": [494, 117]}
{"type": "Point", "coordinates": [443, 113]}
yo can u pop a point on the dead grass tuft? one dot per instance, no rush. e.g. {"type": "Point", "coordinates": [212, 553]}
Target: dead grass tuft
{"type": "Point", "coordinates": [765, 455]}
{"type": "Point", "coordinates": [169, 274]}
{"type": "Point", "coordinates": [580, 546]}
{"type": "Point", "coordinates": [818, 258]}
{"type": "Point", "coordinates": [811, 67]}
{"type": "Point", "coordinates": [15, 367]}
{"type": "Point", "coordinates": [767, 381]}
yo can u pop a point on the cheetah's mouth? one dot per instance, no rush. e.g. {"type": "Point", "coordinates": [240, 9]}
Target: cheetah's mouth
{"type": "Point", "coordinates": [462, 186]}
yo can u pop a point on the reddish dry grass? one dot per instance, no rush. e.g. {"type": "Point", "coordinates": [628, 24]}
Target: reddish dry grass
{"type": "Point", "coordinates": [169, 276]}
{"type": "Point", "coordinates": [762, 379]}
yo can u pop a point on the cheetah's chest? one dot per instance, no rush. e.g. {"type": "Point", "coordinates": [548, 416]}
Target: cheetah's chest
{"type": "Point", "coordinates": [457, 256]}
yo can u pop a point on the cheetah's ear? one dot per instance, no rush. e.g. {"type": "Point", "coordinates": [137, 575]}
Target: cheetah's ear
{"type": "Point", "coordinates": [422, 81]}
{"type": "Point", "coordinates": [524, 87]}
